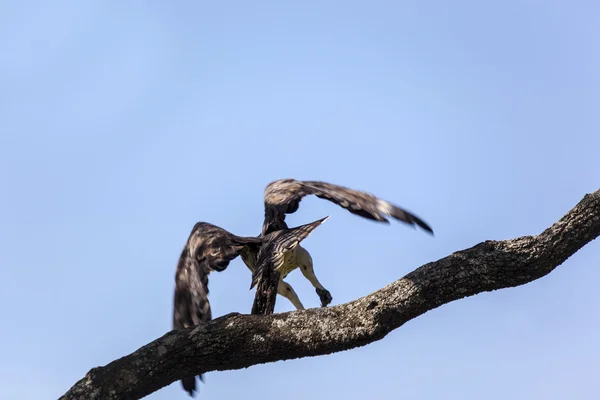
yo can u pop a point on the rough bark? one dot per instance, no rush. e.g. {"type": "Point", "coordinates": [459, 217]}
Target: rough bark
{"type": "Point", "coordinates": [238, 341]}
{"type": "Point", "coordinates": [266, 293]}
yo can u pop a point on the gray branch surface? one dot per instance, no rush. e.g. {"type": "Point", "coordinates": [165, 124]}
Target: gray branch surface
{"type": "Point", "coordinates": [237, 341]}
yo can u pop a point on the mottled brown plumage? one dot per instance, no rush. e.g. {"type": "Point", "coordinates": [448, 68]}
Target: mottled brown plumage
{"type": "Point", "coordinates": [283, 197]}
{"type": "Point", "coordinates": [211, 248]}
{"type": "Point", "coordinates": [278, 247]}
{"type": "Point", "coordinates": [208, 248]}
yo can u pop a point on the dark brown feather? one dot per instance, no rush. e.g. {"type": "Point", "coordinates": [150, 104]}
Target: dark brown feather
{"type": "Point", "coordinates": [283, 197]}
{"type": "Point", "coordinates": [208, 248]}
{"type": "Point", "coordinates": [275, 244]}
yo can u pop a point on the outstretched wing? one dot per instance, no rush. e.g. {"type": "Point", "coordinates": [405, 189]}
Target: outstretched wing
{"type": "Point", "coordinates": [276, 244]}
{"type": "Point", "coordinates": [208, 248]}
{"type": "Point", "coordinates": [283, 197]}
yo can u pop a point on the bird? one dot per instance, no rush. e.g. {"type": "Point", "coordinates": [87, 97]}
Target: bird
{"type": "Point", "coordinates": [283, 197]}
{"type": "Point", "coordinates": [211, 248]}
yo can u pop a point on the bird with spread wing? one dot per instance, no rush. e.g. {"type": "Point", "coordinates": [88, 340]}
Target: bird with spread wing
{"type": "Point", "coordinates": [283, 197]}
{"type": "Point", "coordinates": [211, 248]}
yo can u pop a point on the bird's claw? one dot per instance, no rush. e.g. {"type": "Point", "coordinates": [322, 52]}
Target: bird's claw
{"type": "Point", "coordinates": [325, 296]}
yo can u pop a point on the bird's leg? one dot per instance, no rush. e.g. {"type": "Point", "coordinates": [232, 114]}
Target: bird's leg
{"type": "Point", "coordinates": [306, 266]}
{"type": "Point", "coordinates": [286, 290]}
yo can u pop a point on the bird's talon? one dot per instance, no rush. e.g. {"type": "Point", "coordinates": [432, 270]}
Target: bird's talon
{"type": "Point", "coordinates": [325, 296]}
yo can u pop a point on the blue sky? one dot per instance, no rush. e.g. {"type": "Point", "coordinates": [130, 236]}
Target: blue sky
{"type": "Point", "coordinates": [122, 124]}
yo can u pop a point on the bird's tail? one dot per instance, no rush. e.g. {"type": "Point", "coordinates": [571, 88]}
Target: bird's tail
{"type": "Point", "coordinates": [281, 242]}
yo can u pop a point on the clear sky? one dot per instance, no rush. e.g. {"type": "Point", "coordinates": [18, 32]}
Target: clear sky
{"type": "Point", "coordinates": [124, 123]}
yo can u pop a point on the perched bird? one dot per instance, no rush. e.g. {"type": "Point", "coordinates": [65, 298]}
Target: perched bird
{"type": "Point", "coordinates": [211, 248]}
{"type": "Point", "coordinates": [283, 197]}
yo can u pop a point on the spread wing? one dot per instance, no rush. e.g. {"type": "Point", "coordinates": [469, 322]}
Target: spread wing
{"type": "Point", "coordinates": [283, 197]}
{"type": "Point", "coordinates": [277, 243]}
{"type": "Point", "coordinates": [208, 248]}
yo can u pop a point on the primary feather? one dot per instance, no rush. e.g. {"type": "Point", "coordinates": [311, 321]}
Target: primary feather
{"type": "Point", "coordinates": [283, 197]}
{"type": "Point", "coordinates": [208, 248]}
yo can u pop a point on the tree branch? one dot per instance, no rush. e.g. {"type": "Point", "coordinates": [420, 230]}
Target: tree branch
{"type": "Point", "coordinates": [238, 341]}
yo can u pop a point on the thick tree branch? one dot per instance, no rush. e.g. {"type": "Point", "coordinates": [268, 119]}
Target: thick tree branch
{"type": "Point", "coordinates": [238, 341]}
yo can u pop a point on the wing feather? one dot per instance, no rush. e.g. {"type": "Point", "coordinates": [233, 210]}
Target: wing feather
{"type": "Point", "coordinates": [283, 197]}
{"type": "Point", "coordinates": [271, 254]}
{"type": "Point", "coordinates": [208, 248]}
